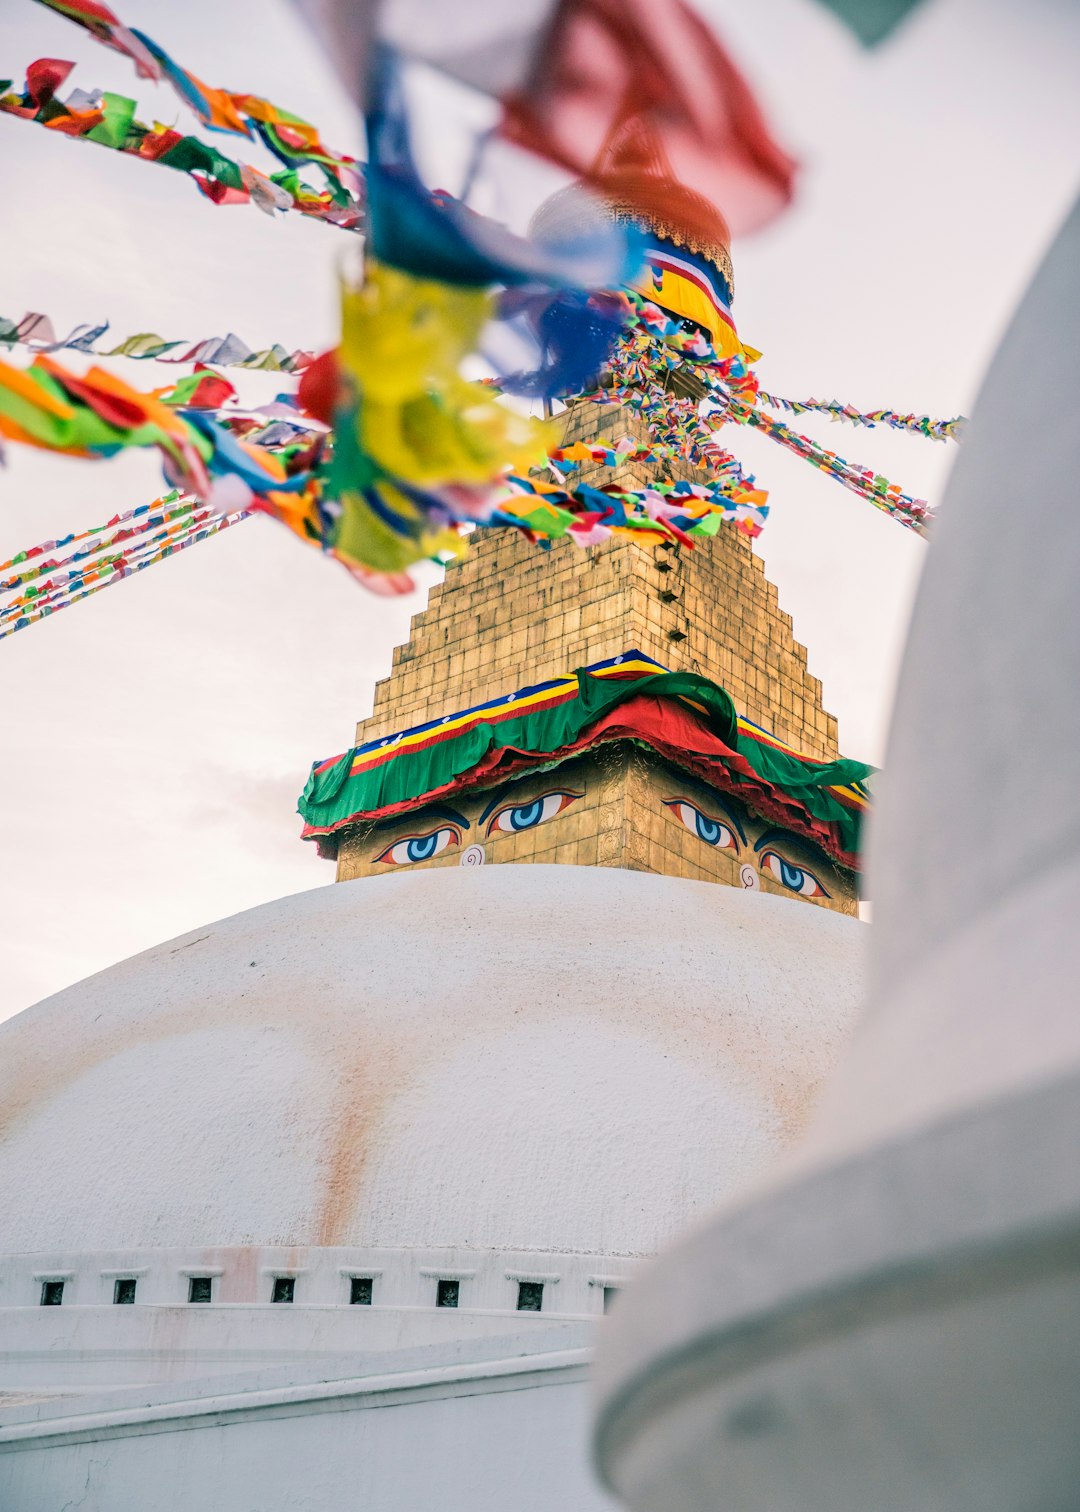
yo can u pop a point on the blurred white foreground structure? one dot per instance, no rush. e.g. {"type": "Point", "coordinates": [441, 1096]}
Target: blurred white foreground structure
{"type": "Point", "coordinates": [892, 1320]}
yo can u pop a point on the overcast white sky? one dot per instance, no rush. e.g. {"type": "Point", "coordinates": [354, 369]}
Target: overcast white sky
{"type": "Point", "coordinates": [156, 736]}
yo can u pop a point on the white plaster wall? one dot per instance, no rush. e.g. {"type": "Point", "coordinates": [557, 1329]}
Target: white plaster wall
{"type": "Point", "coordinates": [487, 1426]}
{"type": "Point", "coordinates": [456, 1427]}
{"type": "Point", "coordinates": [976, 958]}
{"type": "Point", "coordinates": [588, 1132]}
{"type": "Point", "coordinates": [506, 1452]}
{"type": "Point", "coordinates": [987, 691]}
{"type": "Point", "coordinates": [525, 1057]}
{"type": "Point", "coordinates": [92, 1349]}
{"type": "Point", "coordinates": [220, 1108]}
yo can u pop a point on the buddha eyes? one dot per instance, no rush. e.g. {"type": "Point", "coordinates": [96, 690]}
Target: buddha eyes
{"type": "Point", "coordinates": [420, 847]}
{"type": "Point", "coordinates": [721, 836]}
{"type": "Point", "coordinates": [510, 820]}
{"type": "Point", "coordinates": [514, 817]}
{"type": "Point", "coordinates": [795, 878]}
{"type": "Point", "coordinates": [713, 831]}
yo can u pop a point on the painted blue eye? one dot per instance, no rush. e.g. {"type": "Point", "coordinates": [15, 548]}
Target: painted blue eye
{"type": "Point", "coordinates": [706, 828]}
{"type": "Point", "coordinates": [516, 817]}
{"type": "Point", "coordinates": [525, 815]}
{"type": "Point", "coordinates": [796, 879]}
{"type": "Point", "coordinates": [413, 848]}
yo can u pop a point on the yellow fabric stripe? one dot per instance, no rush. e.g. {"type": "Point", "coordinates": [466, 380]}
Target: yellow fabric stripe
{"type": "Point", "coordinates": [684, 298]}
{"type": "Point", "coordinates": [764, 738]}
{"type": "Point", "coordinates": [474, 716]}
{"type": "Point", "coordinates": [757, 733]}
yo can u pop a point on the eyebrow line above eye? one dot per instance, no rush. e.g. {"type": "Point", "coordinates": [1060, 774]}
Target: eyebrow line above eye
{"type": "Point", "coordinates": [771, 836]}
{"type": "Point", "coordinates": [500, 794]}
{"type": "Point", "coordinates": [436, 811]}
{"type": "Point", "coordinates": [722, 806]}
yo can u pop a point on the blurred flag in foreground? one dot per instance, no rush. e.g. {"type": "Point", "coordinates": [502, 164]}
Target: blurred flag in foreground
{"type": "Point", "coordinates": [576, 76]}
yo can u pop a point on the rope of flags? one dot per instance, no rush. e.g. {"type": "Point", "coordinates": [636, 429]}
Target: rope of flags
{"type": "Point", "coordinates": [37, 333]}
{"type": "Point", "coordinates": [121, 528]}
{"type": "Point", "coordinates": [109, 120]}
{"type": "Point", "coordinates": [682, 511]}
{"type": "Point", "coordinates": [629, 450]}
{"type": "Point", "coordinates": [643, 371]}
{"type": "Point", "coordinates": [292, 140]}
{"type": "Point", "coordinates": [919, 425]}
{"type": "Point", "coordinates": [915, 514]}
{"type": "Point", "coordinates": [33, 553]}
{"type": "Point", "coordinates": [153, 533]}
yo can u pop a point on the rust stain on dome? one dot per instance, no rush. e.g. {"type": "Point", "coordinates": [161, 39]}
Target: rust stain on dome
{"type": "Point", "coordinates": [373, 1022]}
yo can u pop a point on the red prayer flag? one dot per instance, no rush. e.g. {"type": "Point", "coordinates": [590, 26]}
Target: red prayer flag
{"type": "Point", "coordinates": [75, 123]}
{"type": "Point", "coordinates": [44, 77]}
{"type": "Point", "coordinates": [211, 392]}
{"type": "Point", "coordinates": [115, 409]}
{"type": "Point", "coordinates": [88, 12]}
{"type": "Point", "coordinates": [221, 194]}
{"type": "Point", "coordinates": [155, 144]}
{"type": "Point", "coordinates": [320, 389]}
{"type": "Point", "coordinates": [612, 71]}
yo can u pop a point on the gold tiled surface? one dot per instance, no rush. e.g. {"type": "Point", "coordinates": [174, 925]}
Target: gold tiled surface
{"type": "Point", "coordinates": [512, 614]}
{"type": "Point", "coordinates": [620, 819]}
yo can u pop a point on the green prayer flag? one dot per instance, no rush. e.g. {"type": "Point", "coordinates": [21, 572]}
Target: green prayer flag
{"type": "Point", "coordinates": [119, 114]}
{"type": "Point", "coordinates": [189, 155]}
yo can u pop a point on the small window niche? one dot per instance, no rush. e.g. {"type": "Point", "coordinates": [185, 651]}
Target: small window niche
{"type": "Point", "coordinates": [200, 1289]}
{"type": "Point", "coordinates": [284, 1289]}
{"type": "Point", "coordinates": [611, 1296]}
{"type": "Point", "coordinates": [124, 1290]}
{"type": "Point", "coordinates": [360, 1289]}
{"type": "Point", "coordinates": [447, 1293]}
{"type": "Point", "coordinates": [52, 1293]}
{"type": "Point", "coordinates": [530, 1296]}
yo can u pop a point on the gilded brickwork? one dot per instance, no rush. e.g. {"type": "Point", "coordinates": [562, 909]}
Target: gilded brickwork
{"type": "Point", "coordinates": [511, 615]}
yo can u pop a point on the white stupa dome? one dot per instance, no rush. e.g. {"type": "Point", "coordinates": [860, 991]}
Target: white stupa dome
{"type": "Point", "coordinates": [515, 1058]}
{"type": "Point", "coordinates": [466, 1099]}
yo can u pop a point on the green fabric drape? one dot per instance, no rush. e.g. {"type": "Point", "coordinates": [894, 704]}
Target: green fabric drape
{"type": "Point", "coordinates": [336, 795]}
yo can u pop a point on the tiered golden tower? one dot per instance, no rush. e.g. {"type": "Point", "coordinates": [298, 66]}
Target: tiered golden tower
{"type": "Point", "coordinates": [511, 615]}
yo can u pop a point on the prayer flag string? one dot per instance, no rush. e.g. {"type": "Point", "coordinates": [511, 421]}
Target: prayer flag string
{"type": "Point", "coordinates": [161, 532]}
{"type": "Point", "coordinates": [37, 333]}
{"type": "Point", "coordinates": [121, 571]}
{"type": "Point", "coordinates": [103, 564]}
{"type": "Point", "coordinates": [34, 552]}
{"type": "Point", "coordinates": [921, 425]}
{"type": "Point", "coordinates": [166, 510]}
{"type": "Point", "coordinates": [109, 120]}
{"type": "Point", "coordinates": [645, 376]}
{"type": "Point", "coordinates": [291, 139]}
